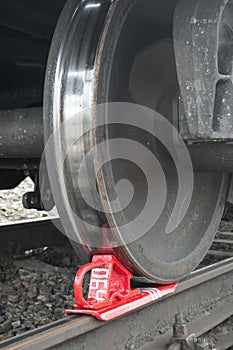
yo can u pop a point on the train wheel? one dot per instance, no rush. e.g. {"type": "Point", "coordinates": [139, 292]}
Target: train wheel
{"type": "Point", "coordinates": [111, 51]}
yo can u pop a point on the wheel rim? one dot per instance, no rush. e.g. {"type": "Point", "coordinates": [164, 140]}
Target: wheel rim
{"type": "Point", "coordinates": [101, 62]}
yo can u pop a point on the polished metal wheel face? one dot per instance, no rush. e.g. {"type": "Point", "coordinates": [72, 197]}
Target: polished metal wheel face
{"type": "Point", "coordinates": [120, 52]}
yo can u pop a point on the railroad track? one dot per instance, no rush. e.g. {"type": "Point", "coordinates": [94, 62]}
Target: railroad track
{"type": "Point", "coordinates": [207, 291]}
{"type": "Point", "coordinates": [25, 234]}
{"type": "Point", "coordinates": [36, 233]}
{"type": "Point", "coordinates": [223, 245]}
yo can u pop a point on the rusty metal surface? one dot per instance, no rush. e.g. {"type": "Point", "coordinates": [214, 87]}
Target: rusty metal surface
{"type": "Point", "coordinates": [204, 68]}
{"type": "Point", "coordinates": [137, 329]}
{"type": "Point", "coordinates": [100, 50]}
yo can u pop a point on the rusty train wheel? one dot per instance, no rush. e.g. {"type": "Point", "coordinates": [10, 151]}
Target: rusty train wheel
{"type": "Point", "coordinates": [101, 54]}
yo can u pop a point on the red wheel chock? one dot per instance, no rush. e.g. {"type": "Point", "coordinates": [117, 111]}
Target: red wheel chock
{"type": "Point", "coordinates": [110, 294]}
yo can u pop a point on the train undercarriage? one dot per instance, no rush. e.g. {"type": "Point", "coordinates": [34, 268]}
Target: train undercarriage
{"type": "Point", "coordinates": [65, 67]}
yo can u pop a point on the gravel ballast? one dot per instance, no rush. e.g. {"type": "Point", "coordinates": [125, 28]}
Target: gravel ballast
{"type": "Point", "coordinates": [11, 207]}
{"type": "Point", "coordinates": [36, 287]}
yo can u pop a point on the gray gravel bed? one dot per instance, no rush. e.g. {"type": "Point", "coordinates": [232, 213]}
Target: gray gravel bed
{"type": "Point", "coordinates": [11, 207]}
{"type": "Point", "coordinates": [36, 287]}
{"type": "Point", "coordinates": [35, 290]}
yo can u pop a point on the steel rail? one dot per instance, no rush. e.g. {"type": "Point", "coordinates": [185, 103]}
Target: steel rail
{"type": "Point", "coordinates": [219, 253]}
{"type": "Point", "coordinates": [201, 327]}
{"type": "Point", "coordinates": [137, 329]}
{"type": "Point", "coordinates": [223, 241]}
{"type": "Point", "coordinates": [230, 234]}
{"type": "Point", "coordinates": [30, 234]}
